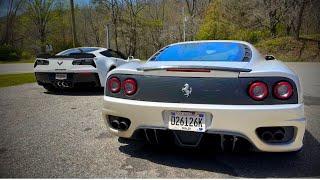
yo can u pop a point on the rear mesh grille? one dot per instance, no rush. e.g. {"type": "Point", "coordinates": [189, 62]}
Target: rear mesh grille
{"type": "Point", "coordinates": [215, 142]}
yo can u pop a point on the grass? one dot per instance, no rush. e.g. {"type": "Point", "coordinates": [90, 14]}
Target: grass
{"type": "Point", "coordinates": [16, 79]}
{"type": "Point", "coordinates": [31, 60]}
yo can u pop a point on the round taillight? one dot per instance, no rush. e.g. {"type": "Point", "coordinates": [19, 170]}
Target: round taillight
{"type": "Point", "coordinates": [130, 86]}
{"type": "Point", "coordinates": [114, 85]}
{"type": "Point", "coordinates": [283, 90]}
{"type": "Point", "coordinates": [258, 91]}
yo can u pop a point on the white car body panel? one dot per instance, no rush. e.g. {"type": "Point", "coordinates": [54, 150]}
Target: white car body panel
{"type": "Point", "coordinates": [150, 115]}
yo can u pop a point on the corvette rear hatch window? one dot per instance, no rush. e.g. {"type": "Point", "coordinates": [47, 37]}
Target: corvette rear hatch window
{"type": "Point", "coordinates": [77, 51]}
{"type": "Point", "coordinates": [204, 51]}
{"type": "Point", "coordinates": [74, 53]}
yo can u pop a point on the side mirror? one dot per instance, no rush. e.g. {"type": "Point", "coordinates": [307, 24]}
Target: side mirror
{"type": "Point", "coordinates": [130, 58]}
{"type": "Point", "coordinates": [269, 57]}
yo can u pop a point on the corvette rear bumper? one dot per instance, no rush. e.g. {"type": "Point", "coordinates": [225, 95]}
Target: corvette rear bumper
{"type": "Point", "coordinates": [225, 119]}
{"type": "Point", "coordinates": [73, 79]}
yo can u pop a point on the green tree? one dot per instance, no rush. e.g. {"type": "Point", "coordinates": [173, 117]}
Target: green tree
{"type": "Point", "coordinates": [40, 14]}
{"type": "Point", "coordinates": [215, 26]}
{"type": "Point", "coordinates": [11, 15]}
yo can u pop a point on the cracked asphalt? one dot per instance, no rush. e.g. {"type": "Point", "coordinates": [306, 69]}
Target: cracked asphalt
{"type": "Point", "coordinates": [63, 135]}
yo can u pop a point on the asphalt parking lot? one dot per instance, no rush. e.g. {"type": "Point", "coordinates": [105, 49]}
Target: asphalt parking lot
{"type": "Point", "coordinates": [63, 135]}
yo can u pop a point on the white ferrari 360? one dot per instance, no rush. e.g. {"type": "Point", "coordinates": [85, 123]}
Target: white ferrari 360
{"type": "Point", "coordinates": [219, 93]}
{"type": "Point", "coordinates": [77, 67]}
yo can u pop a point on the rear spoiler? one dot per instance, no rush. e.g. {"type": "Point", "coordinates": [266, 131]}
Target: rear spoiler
{"type": "Point", "coordinates": [71, 56]}
{"type": "Point", "coordinates": [217, 68]}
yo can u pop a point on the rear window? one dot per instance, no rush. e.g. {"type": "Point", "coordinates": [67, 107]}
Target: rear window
{"type": "Point", "coordinates": [77, 50]}
{"type": "Point", "coordinates": [111, 53]}
{"type": "Point", "coordinates": [204, 51]}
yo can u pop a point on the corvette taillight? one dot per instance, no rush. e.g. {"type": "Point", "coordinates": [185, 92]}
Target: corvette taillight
{"type": "Point", "coordinates": [283, 90]}
{"type": "Point", "coordinates": [84, 62]}
{"type": "Point", "coordinates": [40, 62]}
{"type": "Point", "coordinates": [258, 91]}
{"type": "Point", "coordinates": [114, 85]}
{"type": "Point", "coordinates": [130, 86]}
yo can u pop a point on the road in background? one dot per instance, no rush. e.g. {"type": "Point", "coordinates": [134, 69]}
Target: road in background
{"type": "Point", "coordinates": [16, 68]}
{"type": "Point", "coordinates": [63, 135]}
{"type": "Point", "coordinates": [309, 74]}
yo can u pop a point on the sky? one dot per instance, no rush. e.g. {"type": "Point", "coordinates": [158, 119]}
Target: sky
{"type": "Point", "coordinates": [82, 1]}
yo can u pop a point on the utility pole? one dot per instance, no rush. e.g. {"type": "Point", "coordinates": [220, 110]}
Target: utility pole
{"type": "Point", "coordinates": [74, 33]}
{"type": "Point", "coordinates": [184, 24]}
{"type": "Point", "coordinates": [107, 36]}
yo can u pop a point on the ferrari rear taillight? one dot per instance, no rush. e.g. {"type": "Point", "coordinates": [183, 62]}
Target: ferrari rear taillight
{"type": "Point", "coordinates": [258, 91]}
{"type": "Point", "coordinates": [130, 86]}
{"type": "Point", "coordinates": [283, 90]}
{"type": "Point", "coordinates": [114, 85]}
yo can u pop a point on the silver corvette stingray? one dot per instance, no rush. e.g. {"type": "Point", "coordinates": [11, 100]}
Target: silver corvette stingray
{"type": "Point", "coordinates": [222, 94]}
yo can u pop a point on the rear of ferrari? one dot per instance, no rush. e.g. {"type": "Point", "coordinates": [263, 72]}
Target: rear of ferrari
{"type": "Point", "coordinates": [213, 93]}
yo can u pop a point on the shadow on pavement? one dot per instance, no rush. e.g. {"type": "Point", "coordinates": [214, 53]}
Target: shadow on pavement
{"type": "Point", "coordinates": [77, 92]}
{"type": "Point", "coordinates": [304, 163]}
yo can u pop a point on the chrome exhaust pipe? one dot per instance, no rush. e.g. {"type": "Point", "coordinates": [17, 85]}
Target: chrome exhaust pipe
{"type": "Point", "coordinates": [123, 125]}
{"type": "Point", "coordinates": [65, 85]}
{"type": "Point", "coordinates": [267, 136]}
{"type": "Point", "coordinates": [59, 84]}
{"type": "Point", "coordinates": [115, 124]}
{"type": "Point", "coordinates": [62, 85]}
{"type": "Point", "coordinates": [278, 135]}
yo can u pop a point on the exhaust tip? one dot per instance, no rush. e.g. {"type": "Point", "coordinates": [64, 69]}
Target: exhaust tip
{"type": "Point", "coordinates": [123, 125]}
{"type": "Point", "coordinates": [64, 84]}
{"type": "Point", "coordinates": [58, 84]}
{"type": "Point", "coordinates": [119, 123]}
{"type": "Point", "coordinates": [115, 124]}
{"type": "Point", "coordinates": [266, 136]}
{"type": "Point", "coordinates": [278, 135]}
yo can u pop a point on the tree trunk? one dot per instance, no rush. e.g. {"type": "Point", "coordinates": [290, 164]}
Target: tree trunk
{"type": "Point", "coordinates": [43, 41]}
{"type": "Point", "coordinates": [273, 23]}
{"type": "Point", "coordinates": [115, 25]}
{"type": "Point", "coordinates": [299, 19]}
{"type": "Point", "coordinates": [116, 36]}
{"type": "Point", "coordinates": [74, 32]}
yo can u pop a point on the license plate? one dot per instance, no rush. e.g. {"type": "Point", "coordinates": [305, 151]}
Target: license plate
{"type": "Point", "coordinates": [187, 121]}
{"type": "Point", "coordinates": [61, 76]}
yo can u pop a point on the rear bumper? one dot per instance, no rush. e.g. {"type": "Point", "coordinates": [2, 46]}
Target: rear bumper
{"type": "Point", "coordinates": [73, 79]}
{"type": "Point", "coordinates": [225, 119]}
